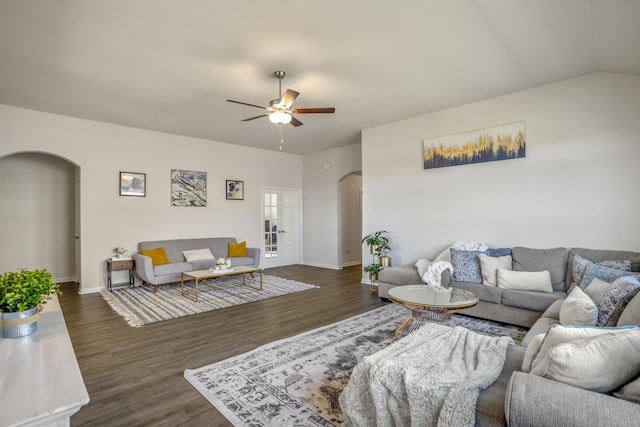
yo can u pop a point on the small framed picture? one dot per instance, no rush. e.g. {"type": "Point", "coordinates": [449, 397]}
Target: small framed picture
{"type": "Point", "coordinates": [133, 184]}
{"type": "Point", "coordinates": [235, 190]}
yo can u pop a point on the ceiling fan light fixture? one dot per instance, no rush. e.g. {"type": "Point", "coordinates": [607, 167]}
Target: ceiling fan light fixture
{"type": "Point", "coordinates": [280, 118]}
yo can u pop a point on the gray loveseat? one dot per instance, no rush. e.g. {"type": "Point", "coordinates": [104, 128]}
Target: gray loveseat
{"type": "Point", "coordinates": [518, 398]}
{"type": "Point", "coordinates": [172, 272]}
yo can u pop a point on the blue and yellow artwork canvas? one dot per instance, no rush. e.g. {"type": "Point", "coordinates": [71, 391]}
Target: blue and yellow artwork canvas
{"type": "Point", "coordinates": [502, 142]}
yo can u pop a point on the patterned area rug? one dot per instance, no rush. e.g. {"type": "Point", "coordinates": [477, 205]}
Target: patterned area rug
{"type": "Point", "coordinates": [140, 306]}
{"type": "Point", "coordinates": [297, 381]}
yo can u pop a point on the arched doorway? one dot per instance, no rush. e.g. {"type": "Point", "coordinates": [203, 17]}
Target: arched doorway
{"type": "Point", "coordinates": [350, 219]}
{"type": "Point", "coordinates": [39, 213]}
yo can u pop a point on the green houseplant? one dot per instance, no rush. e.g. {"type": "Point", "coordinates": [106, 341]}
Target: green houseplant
{"type": "Point", "coordinates": [374, 240]}
{"type": "Point", "coordinates": [21, 294]}
{"type": "Point", "coordinates": [373, 270]}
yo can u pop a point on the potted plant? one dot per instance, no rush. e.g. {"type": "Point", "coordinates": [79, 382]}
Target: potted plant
{"type": "Point", "coordinates": [21, 294]}
{"type": "Point", "coordinates": [382, 252]}
{"type": "Point", "coordinates": [376, 239]}
{"type": "Point", "coordinates": [373, 270]}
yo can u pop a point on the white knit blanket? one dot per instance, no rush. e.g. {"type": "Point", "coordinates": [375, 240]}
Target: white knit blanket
{"type": "Point", "coordinates": [431, 377]}
{"type": "Point", "coordinates": [431, 271]}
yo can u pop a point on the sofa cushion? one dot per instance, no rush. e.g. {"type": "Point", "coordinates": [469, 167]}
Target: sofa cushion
{"type": "Point", "coordinates": [541, 326]}
{"type": "Point", "coordinates": [553, 260]}
{"type": "Point", "coordinates": [489, 267]}
{"type": "Point", "coordinates": [615, 299]}
{"type": "Point", "coordinates": [603, 363]}
{"type": "Point", "coordinates": [578, 309]}
{"type": "Point", "coordinates": [198, 254]}
{"type": "Point", "coordinates": [203, 264]}
{"type": "Point", "coordinates": [580, 266]}
{"type": "Point", "coordinates": [241, 261]}
{"type": "Point", "coordinates": [606, 274]}
{"type": "Point", "coordinates": [531, 300]}
{"type": "Point", "coordinates": [631, 314]}
{"type": "Point", "coordinates": [596, 255]}
{"type": "Point", "coordinates": [405, 274]}
{"type": "Point", "coordinates": [630, 391]}
{"type": "Point", "coordinates": [558, 334]}
{"type": "Point", "coordinates": [532, 351]}
{"type": "Point", "coordinates": [158, 256]}
{"type": "Point", "coordinates": [466, 266]}
{"type": "Point", "coordinates": [553, 311]}
{"type": "Point", "coordinates": [524, 280]}
{"type": "Point", "coordinates": [483, 292]}
{"type": "Point", "coordinates": [172, 268]}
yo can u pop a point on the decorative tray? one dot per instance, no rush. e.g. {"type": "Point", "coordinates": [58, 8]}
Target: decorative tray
{"type": "Point", "coordinates": [226, 270]}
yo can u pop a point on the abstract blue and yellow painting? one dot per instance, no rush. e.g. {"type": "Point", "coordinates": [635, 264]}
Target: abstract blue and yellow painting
{"type": "Point", "coordinates": [502, 142]}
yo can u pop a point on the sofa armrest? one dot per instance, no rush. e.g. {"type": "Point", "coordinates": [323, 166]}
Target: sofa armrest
{"type": "Point", "coordinates": [144, 268]}
{"type": "Point", "coordinates": [255, 254]}
{"type": "Point", "coordinates": [531, 400]}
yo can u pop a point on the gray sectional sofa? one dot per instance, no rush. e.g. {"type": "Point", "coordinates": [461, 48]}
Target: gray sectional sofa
{"type": "Point", "coordinates": [522, 399]}
{"type": "Point", "coordinates": [172, 272]}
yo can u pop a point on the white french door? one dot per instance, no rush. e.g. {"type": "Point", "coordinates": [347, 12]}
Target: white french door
{"type": "Point", "coordinates": [281, 215]}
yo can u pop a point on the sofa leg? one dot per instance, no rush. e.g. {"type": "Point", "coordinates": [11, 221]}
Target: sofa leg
{"type": "Point", "coordinates": [155, 288]}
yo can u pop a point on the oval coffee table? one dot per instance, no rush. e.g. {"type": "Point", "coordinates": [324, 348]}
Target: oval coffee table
{"type": "Point", "coordinates": [421, 300]}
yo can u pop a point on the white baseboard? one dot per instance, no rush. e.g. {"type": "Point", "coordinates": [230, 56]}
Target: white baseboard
{"type": "Point", "coordinates": [83, 291]}
{"type": "Point", "coordinates": [315, 264]}
{"type": "Point", "coordinates": [350, 263]}
{"type": "Point", "coordinates": [64, 279]}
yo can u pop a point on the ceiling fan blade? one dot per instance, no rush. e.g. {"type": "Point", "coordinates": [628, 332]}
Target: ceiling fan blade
{"type": "Point", "coordinates": [256, 117]}
{"type": "Point", "coordinates": [288, 98]}
{"type": "Point", "coordinates": [295, 122]}
{"type": "Point", "coordinates": [313, 110]}
{"type": "Point", "coordinates": [246, 103]}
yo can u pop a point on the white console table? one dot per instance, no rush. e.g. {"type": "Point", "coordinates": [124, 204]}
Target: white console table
{"type": "Point", "coordinates": [40, 380]}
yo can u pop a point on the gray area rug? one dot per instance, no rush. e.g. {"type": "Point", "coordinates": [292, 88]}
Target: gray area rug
{"type": "Point", "coordinates": [141, 306]}
{"type": "Point", "coordinates": [297, 381]}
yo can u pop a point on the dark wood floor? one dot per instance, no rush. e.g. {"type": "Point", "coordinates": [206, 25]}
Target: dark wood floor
{"type": "Point", "coordinates": [135, 375]}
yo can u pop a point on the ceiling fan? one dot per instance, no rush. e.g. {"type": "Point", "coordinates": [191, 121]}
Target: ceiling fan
{"type": "Point", "coordinates": [279, 110]}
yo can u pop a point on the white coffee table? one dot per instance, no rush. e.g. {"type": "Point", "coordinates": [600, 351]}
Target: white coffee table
{"type": "Point", "coordinates": [421, 301]}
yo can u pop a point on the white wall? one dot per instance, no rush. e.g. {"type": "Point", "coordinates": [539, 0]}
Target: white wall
{"type": "Point", "coordinates": [321, 210]}
{"type": "Point", "coordinates": [108, 220]}
{"type": "Point", "coordinates": [577, 186]}
{"type": "Point", "coordinates": [38, 190]}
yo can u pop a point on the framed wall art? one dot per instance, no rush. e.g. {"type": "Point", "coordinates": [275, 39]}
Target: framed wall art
{"type": "Point", "coordinates": [234, 189]}
{"type": "Point", "coordinates": [133, 184]}
{"type": "Point", "coordinates": [502, 142]}
{"type": "Point", "coordinates": [188, 188]}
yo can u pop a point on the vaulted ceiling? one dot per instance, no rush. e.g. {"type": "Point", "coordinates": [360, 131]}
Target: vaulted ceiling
{"type": "Point", "coordinates": [170, 65]}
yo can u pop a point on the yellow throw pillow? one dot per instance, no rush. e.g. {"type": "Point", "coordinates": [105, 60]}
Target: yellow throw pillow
{"type": "Point", "coordinates": [158, 256]}
{"type": "Point", "coordinates": [238, 249]}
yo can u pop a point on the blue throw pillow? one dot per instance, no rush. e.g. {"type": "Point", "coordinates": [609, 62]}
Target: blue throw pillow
{"type": "Point", "coordinates": [466, 266]}
{"type": "Point", "coordinates": [615, 299]}
{"type": "Point", "coordinates": [606, 274]}
{"type": "Point", "coordinates": [498, 252]}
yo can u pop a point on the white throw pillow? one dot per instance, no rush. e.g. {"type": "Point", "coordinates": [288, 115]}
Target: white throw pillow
{"type": "Point", "coordinates": [489, 266]}
{"type": "Point", "coordinates": [559, 334]}
{"type": "Point", "coordinates": [198, 254]}
{"type": "Point", "coordinates": [578, 309]}
{"type": "Point", "coordinates": [532, 352]}
{"type": "Point", "coordinates": [525, 280]}
{"type": "Point", "coordinates": [601, 364]}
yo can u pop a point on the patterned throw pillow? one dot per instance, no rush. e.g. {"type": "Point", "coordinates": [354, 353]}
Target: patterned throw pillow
{"type": "Point", "coordinates": [606, 274]}
{"type": "Point", "coordinates": [580, 266]}
{"type": "Point", "coordinates": [615, 299]}
{"type": "Point", "coordinates": [466, 266]}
